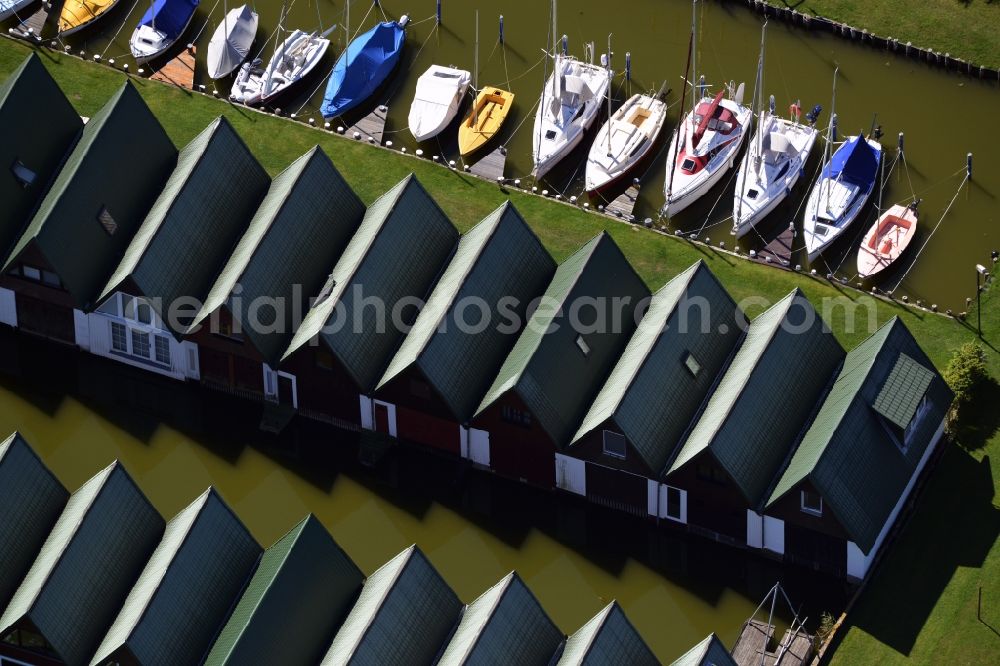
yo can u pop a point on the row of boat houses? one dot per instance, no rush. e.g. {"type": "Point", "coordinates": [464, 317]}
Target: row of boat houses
{"type": "Point", "coordinates": [765, 435]}
{"type": "Point", "coordinates": [98, 577]}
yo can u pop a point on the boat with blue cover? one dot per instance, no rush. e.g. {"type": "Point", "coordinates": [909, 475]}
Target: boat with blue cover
{"type": "Point", "coordinates": [363, 66]}
{"type": "Point", "coordinates": [162, 24]}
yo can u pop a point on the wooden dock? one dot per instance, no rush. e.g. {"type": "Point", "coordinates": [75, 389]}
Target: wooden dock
{"type": "Point", "coordinates": [179, 71]}
{"type": "Point", "coordinates": [371, 127]}
{"type": "Point", "coordinates": [492, 166]}
{"type": "Point", "coordinates": [779, 251]}
{"type": "Point", "coordinates": [753, 647]}
{"type": "Point", "coordinates": [624, 205]}
{"type": "Point", "coordinates": [32, 27]}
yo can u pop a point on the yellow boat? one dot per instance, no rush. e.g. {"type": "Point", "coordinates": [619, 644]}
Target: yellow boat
{"type": "Point", "coordinates": [78, 14]}
{"type": "Point", "coordinates": [484, 121]}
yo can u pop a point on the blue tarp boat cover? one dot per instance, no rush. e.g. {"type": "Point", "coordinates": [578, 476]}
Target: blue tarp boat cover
{"type": "Point", "coordinates": [169, 16]}
{"type": "Point", "coordinates": [362, 68]}
{"type": "Point", "coordinates": [856, 161]}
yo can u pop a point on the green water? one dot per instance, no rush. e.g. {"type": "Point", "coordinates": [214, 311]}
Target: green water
{"type": "Point", "coordinates": [81, 412]}
{"type": "Point", "coordinates": [944, 116]}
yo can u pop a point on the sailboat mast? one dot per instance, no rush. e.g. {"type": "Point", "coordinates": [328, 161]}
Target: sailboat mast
{"type": "Point", "coordinates": [610, 81]}
{"type": "Point", "coordinates": [694, 55]}
{"type": "Point", "coordinates": [680, 124]}
{"type": "Point", "coordinates": [555, 50]}
{"type": "Point", "coordinates": [760, 88]}
{"type": "Point", "coordinates": [829, 138]}
{"type": "Point", "coordinates": [475, 78]}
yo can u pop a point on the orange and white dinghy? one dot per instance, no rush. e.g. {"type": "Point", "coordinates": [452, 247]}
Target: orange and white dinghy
{"type": "Point", "coordinates": [887, 239]}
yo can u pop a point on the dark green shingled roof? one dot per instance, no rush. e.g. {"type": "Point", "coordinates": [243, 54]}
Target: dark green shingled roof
{"type": "Point", "coordinates": [31, 499]}
{"type": "Point", "coordinates": [546, 368]}
{"type": "Point", "coordinates": [397, 253]}
{"type": "Point", "coordinates": [607, 639]}
{"type": "Point", "coordinates": [301, 590]}
{"type": "Point", "coordinates": [847, 454]}
{"type": "Point", "coordinates": [191, 229]}
{"type": "Point", "coordinates": [298, 232]}
{"type": "Point", "coordinates": [651, 393]}
{"type": "Point", "coordinates": [505, 625]}
{"type": "Point", "coordinates": [900, 396]}
{"type": "Point", "coordinates": [766, 396]}
{"type": "Point", "coordinates": [39, 128]}
{"type": "Point", "coordinates": [498, 258]}
{"type": "Point", "coordinates": [709, 652]}
{"type": "Point", "coordinates": [84, 569]}
{"type": "Point", "coordinates": [120, 163]}
{"type": "Point", "coordinates": [187, 588]}
{"type": "Point", "coordinates": [402, 617]}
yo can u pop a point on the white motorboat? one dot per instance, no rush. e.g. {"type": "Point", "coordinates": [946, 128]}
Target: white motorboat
{"type": "Point", "coordinates": [160, 27]}
{"type": "Point", "coordinates": [292, 61]}
{"type": "Point", "coordinates": [624, 140]}
{"type": "Point", "coordinates": [231, 41]}
{"type": "Point", "coordinates": [774, 161]}
{"type": "Point", "coordinates": [439, 94]}
{"type": "Point", "coordinates": [705, 144]}
{"type": "Point", "coordinates": [569, 104]}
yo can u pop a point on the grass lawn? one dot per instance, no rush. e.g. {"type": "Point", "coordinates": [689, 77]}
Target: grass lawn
{"type": "Point", "coordinates": [964, 28]}
{"type": "Point", "coordinates": [923, 599]}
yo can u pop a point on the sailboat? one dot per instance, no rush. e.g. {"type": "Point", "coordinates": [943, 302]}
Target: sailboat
{"type": "Point", "coordinates": [363, 66]}
{"type": "Point", "coordinates": [887, 239]}
{"type": "Point", "coordinates": [489, 110]}
{"type": "Point", "coordinates": [162, 24]}
{"type": "Point", "coordinates": [624, 140]}
{"type": "Point", "coordinates": [10, 7]}
{"type": "Point", "coordinates": [231, 41]}
{"type": "Point", "coordinates": [775, 159]}
{"type": "Point", "coordinates": [292, 61]}
{"type": "Point", "coordinates": [569, 104]}
{"type": "Point", "coordinates": [435, 104]}
{"type": "Point", "coordinates": [705, 144]}
{"type": "Point", "coordinates": [842, 189]}
{"type": "Point", "coordinates": [76, 15]}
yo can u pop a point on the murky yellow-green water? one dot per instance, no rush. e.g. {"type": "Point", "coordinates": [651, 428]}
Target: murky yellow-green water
{"type": "Point", "coordinates": [80, 413]}
{"type": "Point", "coordinates": [943, 115]}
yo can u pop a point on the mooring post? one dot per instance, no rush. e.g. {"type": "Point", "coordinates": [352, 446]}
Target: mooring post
{"type": "Point", "coordinates": [900, 143]}
{"type": "Point", "coordinates": [438, 13]}
{"type": "Point", "coordinates": [968, 166]}
{"type": "Point", "coordinates": [628, 65]}
{"type": "Point", "coordinates": [565, 44]}
{"type": "Point", "coordinates": [833, 128]}
{"type": "Point", "coordinates": [501, 28]}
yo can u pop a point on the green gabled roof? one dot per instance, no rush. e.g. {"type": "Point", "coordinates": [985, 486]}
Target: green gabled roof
{"type": "Point", "coordinates": [397, 252]}
{"type": "Point", "coordinates": [651, 394]}
{"type": "Point", "coordinates": [403, 615]}
{"type": "Point", "coordinates": [193, 225]}
{"type": "Point", "coordinates": [300, 591]}
{"type": "Point", "coordinates": [709, 652]}
{"type": "Point", "coordinates": [547, 369]}
{"type": "Point", "coordinates": [120, 162]}
{"type": "Point", "coordinates": [505, 625]}
{"type": "Point", "coordinates": [848, 455]}
{"type": "Point", "coordinates": [607, 639]}
{"type": "Point", "coordinates": [186, 589]}
{"type": "Point", "coordinates": [499, 257]}
{"type": "Point", "coordinates": [84, 569]}
{"type": "Point", "coordinates": [901, 394]}
{"type": "Point", "coordinates": [39, 128]}
{"type": "Point", "coordinates": [766, 396]}
{"type": "Point", "coordinates": [298, 232]}
{"type": "Point", "coordinates": [31, 499]}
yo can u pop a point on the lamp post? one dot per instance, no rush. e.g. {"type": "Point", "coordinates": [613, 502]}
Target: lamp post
{"type": "Point", "coordinates": [980, 271]}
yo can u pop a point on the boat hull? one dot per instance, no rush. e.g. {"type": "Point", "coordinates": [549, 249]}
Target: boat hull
{"type": "Point", "coordinates": [440, 91]}
{"type": "Point", "coordinates": [886, 240]}
{"type": "Point", "coordinates": [69, 23]}
{"type": "Point", "coordinates": [353, 78]}
{"type": "Point", "coordinates": [484, 121]}
{"type": "Point", "coordinates": [632, 132]}
{"type": "Point", "coordinates": [231, 42]}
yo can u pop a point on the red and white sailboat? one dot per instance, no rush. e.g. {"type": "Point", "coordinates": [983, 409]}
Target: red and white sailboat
{"type": "Point", "coordinates": [705, 144]}
{"type": "Point", "coordinates": [887, 239]}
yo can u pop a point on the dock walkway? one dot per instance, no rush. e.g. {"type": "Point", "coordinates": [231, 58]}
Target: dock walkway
{"type": "Point", "coordinates": [371, 127]}
{"type": "Point", "coordinates": [492, 166]}
{"type": "Point", "coordinates": [779, 251]}
{"type": "Point", "coordinates": [178, 71]}
{"type": "Point", "coordinates": [751, 647]}
{"type": "Point", "coordinates": [625, 203]}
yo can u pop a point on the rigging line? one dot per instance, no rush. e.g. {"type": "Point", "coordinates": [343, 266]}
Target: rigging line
{"type": "Point", "coordinates": [117, 32]}
{"type": "Point", "coordinates": [360, 25]}
{"type": "Point", "coordinates": [717, 200]}
{"type": "Point", "coordinates": [906, 168]}
{"type": "Point", "coordinates": [489, 58]}
{"type": "Point", "coordinates": [399, 76]}
{"type": "Point", "coordinates": [382, 11]}
{"type": "Point", "coordinates": [323, 82]}
{"type": "Point", "coordinates": [530, 112]}
{"type": "Point", "coordinates": [273, 33]}
{"type": "Point", "coordinates": [198, 36]}
{"type": "Point", "coordinates": [527, 71]}
{"type": "Point", "coordinates": [423, 20]}
{"type": "Point", "coordinates": [933, 231]}
{"type": "Point", "coordinates": [506, 73]}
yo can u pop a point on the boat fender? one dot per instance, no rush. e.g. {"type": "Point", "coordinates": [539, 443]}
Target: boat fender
{"type": "Point", "coordinates": [404, 20]}
{"type": "Point", "coordinates": [794, 111]}
{"type": "Point", "coordinates": [813, 115]}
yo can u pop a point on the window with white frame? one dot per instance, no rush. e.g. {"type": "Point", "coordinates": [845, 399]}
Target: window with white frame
{"type": "Point", "coordinates": [614, 444]}
{"type": "Point", "coordinates": [119, 339]}
{"type": "Point", "coordinates": [674, 511]}
{"type": "Point", "coordinates": [136, 330]}
{"type": "Point", "coordinates": [811, 502]}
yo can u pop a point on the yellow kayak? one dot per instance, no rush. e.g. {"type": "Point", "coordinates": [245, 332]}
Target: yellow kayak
{"type": "Point", "coordinates": [77, 14]}
{"type": "Point", "coordinates": [487, 115]}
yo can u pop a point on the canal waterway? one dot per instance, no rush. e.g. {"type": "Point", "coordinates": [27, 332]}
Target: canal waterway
{"type": "Point", "coordinates": [943, 115]}
{"type": "Point", "coordinates": [80, 412]}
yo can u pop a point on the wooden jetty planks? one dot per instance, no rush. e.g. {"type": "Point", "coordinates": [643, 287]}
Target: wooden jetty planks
{"type": "Point", "coordinates": [372, 126]}
{"type": "Point", "coordinates": [179, 71]}
{"type": "Point", "coordinates": [794, 649]}
{"type": "Point", "coordinates": [625, 203]}
{"type": "Point", "coordinates": [492, 166]}
{"type": "Point", "coordinates": [779, 250]}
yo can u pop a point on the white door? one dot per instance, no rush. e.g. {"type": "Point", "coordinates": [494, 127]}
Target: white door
{"type": "Point", "coordinates": [479, 447]}
{"type": "Point", "coordinates": [8, 308]}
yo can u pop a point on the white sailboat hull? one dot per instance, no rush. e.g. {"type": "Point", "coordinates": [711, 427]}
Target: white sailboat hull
{"type": "Point", "coordinates": [231, 41]}
{"type": "Point", "coordinates": [147, 43]}
{"type": "Point", "coordinates": [438, 97]}
{"type": "Point", "coordinates": [293, 60]}
{"type": "Point", "coordinates": [766, 177]}
{"type": "Point", "coordinates": [624, 140]}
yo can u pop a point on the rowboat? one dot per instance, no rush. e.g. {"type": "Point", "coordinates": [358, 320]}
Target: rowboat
{"type": "Point", "coordinates": [160, 26]}
{"type": "Point", "coordinates": [843, 188]}
{"type": "Point", "coordinates": [484, 120]}
{"type": "Point", "coordinates": [10, 7]}
{"type": "Point", "coordinates": [292, 61]}
{"type": "Point", "coordinates": [624, 140]}
{"type": "Point", "coordinates": [231, 41]}
{"type": "Point", "coordinates": [78, 14]}
{"type": "Point", "coordinates": [363, 66]}
{"type": "Point", "coordinates": [435, 104]}
{"type": "Point", "coordinates": [887, 239]}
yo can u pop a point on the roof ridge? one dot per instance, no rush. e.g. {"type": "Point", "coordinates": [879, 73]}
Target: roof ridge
{"type": "Point", "coordinates": [15, 437]}
{"type": "Point", "coordinates": [412, 549]}
{"type": "Point", "coordinates": [506, 582]}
